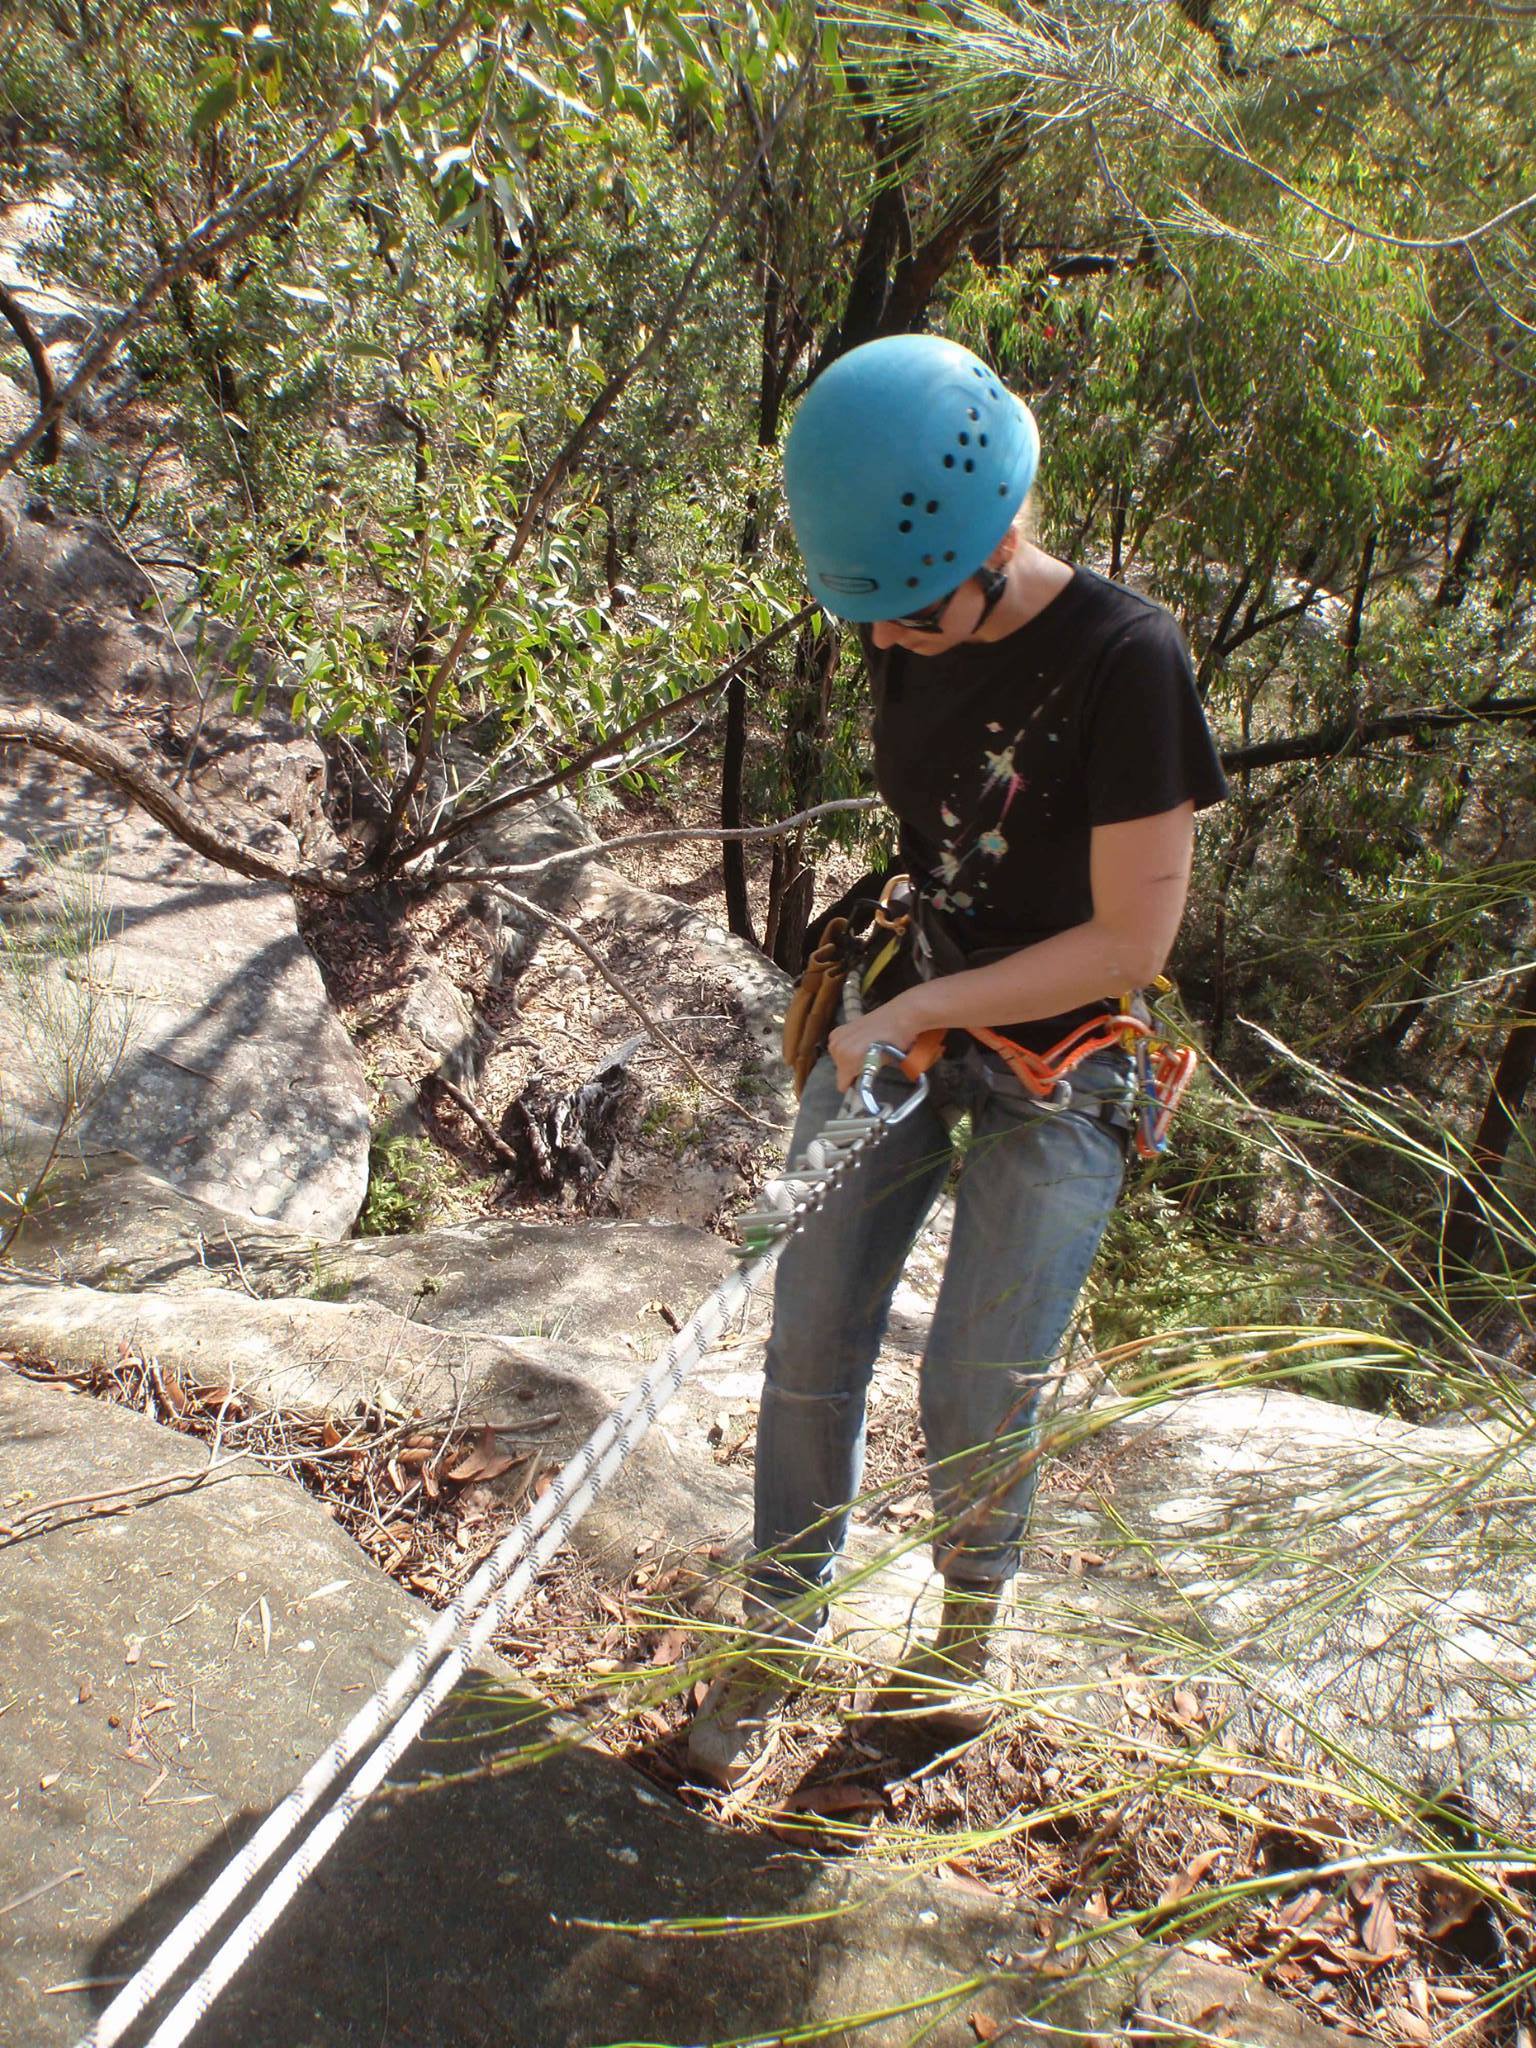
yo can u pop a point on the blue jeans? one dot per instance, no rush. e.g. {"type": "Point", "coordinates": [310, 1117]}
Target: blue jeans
{"type": "Point", "coordinates": [1035, 1191]}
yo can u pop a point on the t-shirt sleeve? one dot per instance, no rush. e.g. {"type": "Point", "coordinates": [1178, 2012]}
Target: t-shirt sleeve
{"type": "Point", "coordinates": [1148, 747]}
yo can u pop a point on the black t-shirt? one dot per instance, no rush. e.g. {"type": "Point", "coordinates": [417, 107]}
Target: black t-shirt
{"type": "Point", "coordinates": [998, 758]}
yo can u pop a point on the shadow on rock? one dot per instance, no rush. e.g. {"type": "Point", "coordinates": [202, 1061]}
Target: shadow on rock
{"type": "Point", "coordinates": [499, 1890]}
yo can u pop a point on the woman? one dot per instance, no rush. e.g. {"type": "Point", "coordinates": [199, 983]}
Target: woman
{"type": "Point", "coordinates": [1038, 735]}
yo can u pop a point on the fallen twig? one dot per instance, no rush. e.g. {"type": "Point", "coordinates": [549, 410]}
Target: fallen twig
{"type": "Point", "coordinates": [569, 932]}
{"type": "Point", "coordinates": [481, 1123]}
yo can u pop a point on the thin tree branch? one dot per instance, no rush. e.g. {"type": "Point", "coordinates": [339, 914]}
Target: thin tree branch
{"type": "Point", "coordinates": [16, 313]}
{"type": "Point", "coordinates": [482, 1123]}
{"type": "Point", "coordinates": [593, 755]}
{"type": "Point", "coordinates": [124, 772]}
{"type": "Point", "coordinates": [569, 933]}
{"type": "Point", "coordinates": [555, 475]}
{"type": "Point", "coordinates": [568, 855]}
{"type": "Point", "coordinates": [249, 208]}
{"type": "Point", "coordinates": [1258, 622]}
{"type": "Point", "coordinates": [1348, 736]}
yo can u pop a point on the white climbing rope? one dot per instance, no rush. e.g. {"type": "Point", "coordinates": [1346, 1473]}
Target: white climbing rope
{"type": "Point", "coordinates": [484, 1604]}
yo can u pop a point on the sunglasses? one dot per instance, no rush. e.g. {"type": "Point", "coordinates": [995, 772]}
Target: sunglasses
{"type": "Point", "coordinates": [931, 618]}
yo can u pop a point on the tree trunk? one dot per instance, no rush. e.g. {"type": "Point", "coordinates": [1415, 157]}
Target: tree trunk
{"type": "Point", "coordinates": [1357, 607]}
{"type": "Point", "coordinates": [733, 854]}
{"type": "Point", "coordinates": [1468, 1232]}
{"type": "Point", "coordinates": [1119, 506]}
{"type": "Point", "coordinates": [775, 898]}
{"type": "Point", "coordinates": [42, 370]}
{"type": "Point", "coordinates": [1453, 585]}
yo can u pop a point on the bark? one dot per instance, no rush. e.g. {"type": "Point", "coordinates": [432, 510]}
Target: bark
{"type": "Point", "coordinates": [806, 729]}
{"type": "Point", "coordinates": [987, 244]}
{"type": "Point", "coordinates": [775, 907]}
{"type": "Point", "coordinates": [1215, 652]}
{"type": "Point", "coordinates": [1357, 606]}
{"type": "Point", "coordinates": [1348, 736]}
{"type": "Point", "coordinates": [124, 772]}
{"type": "Point", "coordinates": [1468, 1232]}
{"type": "Point", "coordinates": [887, 236]}
{"type": "Point", "coordinates": [1119, 507]}
{"type": "Point", "coordinates": [1200, 14]}
{"type": "Point", "coordinates": [738, 908]}
{"type": "Point", "coordinates": [42, 370]}
{"type": "Point", "coordinates": [1453, 585]}
{"type": "Point", "coordinates": [783, 331]}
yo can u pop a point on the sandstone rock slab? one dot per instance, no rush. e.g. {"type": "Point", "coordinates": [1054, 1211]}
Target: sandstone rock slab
{"type": "Point", "coordinates": [1346, 1594]}
{"type": "Point", "coordinates": [237, 1082]}
{"type": "Point", "coordinates": [178, 1663]}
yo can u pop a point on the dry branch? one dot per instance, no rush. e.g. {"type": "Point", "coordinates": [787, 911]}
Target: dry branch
{"type": "Point", "coordinates": [16, 313]}
{"type": "Point", "coordinates": [482, 1123]}
{"type": "Point", "coordinates": [589, 952]}
{"type": "Point", "coordinates": [670, 836]}
{"type": "Point", "coordinates": [1348, 736]}
{"type": "Point", "coordinates": [116, 766]}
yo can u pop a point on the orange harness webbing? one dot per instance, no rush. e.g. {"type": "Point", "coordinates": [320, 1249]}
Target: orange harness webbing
{"type": "Point", "coordinates": [1164, 1070]}
{"type": "Point", "coordinates": [1038, 1071]}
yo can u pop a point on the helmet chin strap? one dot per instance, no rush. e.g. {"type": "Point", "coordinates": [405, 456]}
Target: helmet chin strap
{"type": "Point", "coordinates": [994, 588]}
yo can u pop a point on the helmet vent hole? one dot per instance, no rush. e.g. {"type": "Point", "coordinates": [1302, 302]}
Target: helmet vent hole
{"type": "Point", "coordinates": [949, 462]}
{"type": "Point", "coordinates": [968, 465]}
{"type": "Point", "coordinates": [965, 440]}
{"type": "Point", "coordinates": [981, 440]}
{"type": "Point", "coordinates": [911, 583]}
{"type": "Point", "coordinates": [933, 505]}
{"type": "Point", "coordinates": [927, 561]}
{"type": "Point", "coordinates": [971, 413]}
{"type": "Point", "coordinates": [977, 370]}
{"type": "Point", "coordinates": [993, 392]}
{"type": "Point", "coordinates": [949, 554]}
{"type": "Point", "coordinates": [909, 497]}
{"type": "Point", "coordinates": [1002, 490]}
{"type": "Point", "coordinates": [905, 526]}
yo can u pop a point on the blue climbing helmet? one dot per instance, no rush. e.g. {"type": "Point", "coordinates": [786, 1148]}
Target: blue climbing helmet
{"type": "Point", "coordinates": [904, 467]}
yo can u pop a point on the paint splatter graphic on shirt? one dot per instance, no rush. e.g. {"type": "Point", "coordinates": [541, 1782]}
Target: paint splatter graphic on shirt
{"type": "Point", "coordinates": [973, 844]}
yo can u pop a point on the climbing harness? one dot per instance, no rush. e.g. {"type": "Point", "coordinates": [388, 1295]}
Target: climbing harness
{"type": "Point", "coordinates": [1164, 1067]}
{"type": "Point", "coordinates": [464, 1628]}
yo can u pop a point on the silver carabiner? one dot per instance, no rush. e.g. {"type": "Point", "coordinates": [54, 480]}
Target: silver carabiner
{"type": "Point", "coordinates": [874, 1059]}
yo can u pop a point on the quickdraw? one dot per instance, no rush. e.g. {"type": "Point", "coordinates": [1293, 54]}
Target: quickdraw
{"type": "Point", "coordinates": [786, 1201]}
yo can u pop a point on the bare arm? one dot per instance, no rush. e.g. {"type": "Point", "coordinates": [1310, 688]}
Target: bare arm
{"type": "Point", "coordinates": [1140, 878]}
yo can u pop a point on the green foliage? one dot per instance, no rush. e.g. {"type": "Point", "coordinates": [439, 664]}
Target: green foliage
{"type": "Point", "coordinates": [411, 1186]}
{"type": "Point", "coordinates": [72, 1026]}
{"type": "Point", "coordinates": [1280, 348]}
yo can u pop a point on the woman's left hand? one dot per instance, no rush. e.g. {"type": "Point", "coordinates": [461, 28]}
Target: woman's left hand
{"type": "Point", "coordinates": [890, 1024]}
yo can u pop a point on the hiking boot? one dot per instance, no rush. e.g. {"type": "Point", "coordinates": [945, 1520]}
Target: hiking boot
{"type": "Point", "coordinates": [950, 1685]}
{"type": "Point", "coordinates": [732, 1722]}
